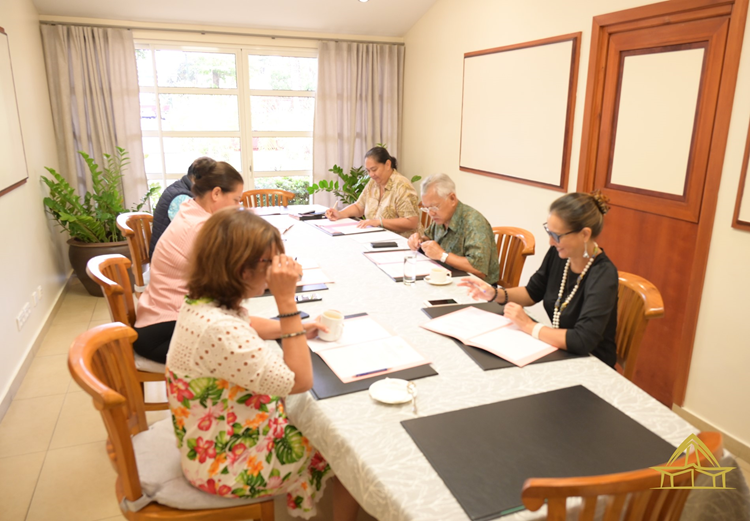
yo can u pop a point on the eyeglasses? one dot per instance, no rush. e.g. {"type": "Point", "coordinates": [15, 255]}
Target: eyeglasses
{"type": "Point", "coordinates": [557, 236]}
{"type": "Point", "coordinates": [432, 209]}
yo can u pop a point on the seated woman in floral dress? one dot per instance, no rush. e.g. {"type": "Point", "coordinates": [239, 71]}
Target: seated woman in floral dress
{"type": "Point", "coordinates": [227, 387]}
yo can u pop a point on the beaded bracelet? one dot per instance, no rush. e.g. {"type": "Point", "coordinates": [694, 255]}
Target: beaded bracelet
{"type": "Point", "coordinates": [506, 295]}
{"type": "Point", "coordinates": [290, 335]}
{"type": "Point", "coordinates": [493, 296]}
{"type": "Point", "coordinates": [287, 315]}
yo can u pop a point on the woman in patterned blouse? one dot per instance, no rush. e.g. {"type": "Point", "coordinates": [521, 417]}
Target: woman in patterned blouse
{"type": "Point", "coordinates": [389, 200]}
{"type": "Point", "coordinates": [227, 387]}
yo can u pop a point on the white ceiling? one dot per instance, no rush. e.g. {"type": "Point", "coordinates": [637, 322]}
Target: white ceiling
{"type": "Point", "coordinates": [373, 18]}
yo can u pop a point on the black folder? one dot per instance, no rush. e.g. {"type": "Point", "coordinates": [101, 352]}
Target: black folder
{"type": "Point", "coordinates": [485, 359]}
{"type": "Point", "coordinates": [300, 289]}
{"type": "Point", "coordinates": [327, 385]}
{"type": "Point", "coordinates": [485, 454]}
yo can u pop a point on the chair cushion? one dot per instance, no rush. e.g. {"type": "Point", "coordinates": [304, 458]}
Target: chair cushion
{"type": "Point", "coordinates": [162, 480]}
{"type": "Point", "coordinates": [148, 366]}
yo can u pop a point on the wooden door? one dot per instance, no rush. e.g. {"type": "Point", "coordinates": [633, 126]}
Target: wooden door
{"type": "Point", "coordinates": [659, 97]}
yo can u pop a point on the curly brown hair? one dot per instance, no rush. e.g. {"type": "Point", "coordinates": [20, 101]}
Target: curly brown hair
{"type": "Point", "coordinates": [232, 240]}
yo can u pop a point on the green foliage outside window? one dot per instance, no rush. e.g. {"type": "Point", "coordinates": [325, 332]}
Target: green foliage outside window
{"type": "Point", "coordinates": [299, 185]}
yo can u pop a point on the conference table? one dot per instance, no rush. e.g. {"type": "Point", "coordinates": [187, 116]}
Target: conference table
{"type": "Point", "coordinates": [364, 441]}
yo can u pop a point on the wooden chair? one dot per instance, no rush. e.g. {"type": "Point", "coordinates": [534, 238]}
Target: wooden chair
{"type": "Point", "coordinates": [266, 197]}
{"type": "Point", "coordinates": [638, 302]}
{"type": "Point", "coordinates": [136, 227]}
{"type": "Point", "coordinates": [111, 273]}
{"type": "Point", "coordinates": [513, 246]}
{"type": "Point", "coordinates": [627, 492]}
{"type": "Point", "coordinates": [101, 362]}
{"type": "Point", "coordinates": [424, 218]}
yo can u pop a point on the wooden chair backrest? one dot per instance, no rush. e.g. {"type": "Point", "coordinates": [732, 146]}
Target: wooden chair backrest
{"type": "Point", "coordinates": [513, 246]}
{"type": "Point", "coordinates": [111, 273]}
{"type": "Point", "coordinates": [136, 228]}
{"type": "Point", "coordinates": [101, 362]}
{"type": "Point", "coordinates": [638, 302]}
{"type": "Point", "coordinates": [266, 197]}
{"type": "Point", "coordinates": [628, 493]}
{"type": "Point", "coordinates": [424, 218]}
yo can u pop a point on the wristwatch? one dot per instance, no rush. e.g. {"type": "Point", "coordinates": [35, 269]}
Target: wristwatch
{"type": "Point", "coordinates": [444, 256]}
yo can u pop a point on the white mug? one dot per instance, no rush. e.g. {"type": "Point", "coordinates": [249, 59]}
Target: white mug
{"type": "Point", "coordinates": [440, 275]}
{"type": "Point", "coordinates": [334, 321]}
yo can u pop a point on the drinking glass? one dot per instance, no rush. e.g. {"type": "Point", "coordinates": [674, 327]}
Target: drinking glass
{"type": "Point", "coordinates": [410, 268]}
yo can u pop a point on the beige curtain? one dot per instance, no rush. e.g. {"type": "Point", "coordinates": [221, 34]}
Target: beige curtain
{"type": "Point", "coordinates": [93, 85]}
{"type": "Point", "coordinates": [359, 103]}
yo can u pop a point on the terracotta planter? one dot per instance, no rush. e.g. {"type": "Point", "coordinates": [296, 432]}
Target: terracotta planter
{"type": "Point", "coordinates": [79, 254]}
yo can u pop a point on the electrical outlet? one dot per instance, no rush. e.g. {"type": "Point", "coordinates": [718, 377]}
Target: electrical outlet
{"type": "Point", "coordinates": [23, 316]}
{"type": "Point", "coordinates": [39, 293]}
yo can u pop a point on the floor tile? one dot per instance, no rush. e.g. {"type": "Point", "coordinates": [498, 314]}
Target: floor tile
{"type": "Point", "coordinates": [47, 375]}
{"type": "Point", "coordinates": [79, 422]}
{"type": "Point", "coordinates": [60, 336]}
{"type": "Point", "coordinates": [28, 425]}
{"type": "Point", "coordinates": [101, 311]}
{"type": "Point", "coordinates": [76, 484]}
{"type": "Point", "coordinates": [18, 477]}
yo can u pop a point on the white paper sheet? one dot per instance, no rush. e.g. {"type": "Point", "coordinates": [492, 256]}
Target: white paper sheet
{"type": "Point", "coordinates": [467, 323]}
{"type": "Point", "coordinates": [385, 235]}
{"type": "Point", "coordinates": [280, 222]}
{"type": "Point", "coordinates": [375, 357]}
{"type": "Point", "coordinates": [513, 345]}
{"type": "Point", "coordinates": [389, 257]}
{"type": "Point", "coordinates": [307, 263]}
{"type": "Point", "coordinates": [356, 329]}
{"type": "Point", "coordinates": [314, 276]}
{"type": "Point", "coordinates": [350, 229]}
{"type": "Point", "coordinates": [396, 270]}
{"type": "Point", "coordinates": [328, 222]}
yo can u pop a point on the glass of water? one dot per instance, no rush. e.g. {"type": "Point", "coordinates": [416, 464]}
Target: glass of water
{"type": "Point", "coordinates": [410, 268]}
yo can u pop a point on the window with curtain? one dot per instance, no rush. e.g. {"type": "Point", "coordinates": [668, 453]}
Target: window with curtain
{"type": "Point", "coordinates": [251, 107]}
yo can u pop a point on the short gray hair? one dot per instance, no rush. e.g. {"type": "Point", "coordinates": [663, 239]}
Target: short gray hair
{"type": "Point", "coordinates": [443, 185]}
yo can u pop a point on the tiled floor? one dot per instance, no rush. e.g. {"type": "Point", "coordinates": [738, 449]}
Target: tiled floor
{"type": "Point", "coordinates": [53, 463]}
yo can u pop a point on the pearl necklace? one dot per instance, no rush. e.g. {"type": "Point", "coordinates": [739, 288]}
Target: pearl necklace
{"type": "Point", "coordinates": [560, 308]}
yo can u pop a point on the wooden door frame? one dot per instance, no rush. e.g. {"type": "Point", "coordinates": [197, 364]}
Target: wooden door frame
{"type": "Point", "coordinates": [655, 15]}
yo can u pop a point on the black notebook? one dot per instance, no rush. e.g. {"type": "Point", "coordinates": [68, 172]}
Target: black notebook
{"type": "Point", "coordinates": [485, 454]}
{"type": "Point", "coordinates": [482, 358]}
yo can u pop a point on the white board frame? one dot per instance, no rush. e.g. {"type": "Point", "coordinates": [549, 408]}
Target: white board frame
{"type": "Point", "coordinates": [553, 148]}
{"type": "Point", "coordinates": [14, 171]}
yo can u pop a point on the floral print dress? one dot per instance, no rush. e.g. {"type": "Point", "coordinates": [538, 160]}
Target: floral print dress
{"type": "Point", "coordinates": [226, 391]}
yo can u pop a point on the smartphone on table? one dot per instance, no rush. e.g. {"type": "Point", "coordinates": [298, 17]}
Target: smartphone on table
{"type": "Point", "coordinates": [439, 302]}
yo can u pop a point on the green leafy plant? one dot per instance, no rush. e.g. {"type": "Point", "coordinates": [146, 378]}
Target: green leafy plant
{"type": "Point", "coordinates": [94, 219]}
{"type": "Point", "coordinates": [298, 185]}
{"type": "Point", "coordinates": [351, 185]}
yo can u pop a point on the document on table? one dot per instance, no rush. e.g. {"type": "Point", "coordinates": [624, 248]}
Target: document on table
{"type": "Point", "coordinates": [339, 228]}
{"type": "Point", "coordinates": [378, 236]}
{"type": "Point", "coordinates": [307, 263]}
{"type": "Point", "coordinates": [491, 332]}
{"type": "Point", "coordinates": [314, 276]}
{"type": "Point", "coordinates": [395, 270]}
{"type": "Point", "coordinates": [268, 210]}
{"type": "Point", "coordinates": [390, 257]}
{"type": "Point", "coordinates": [366, 349]}
{"type": "Point", "coordinates": [280, 222]}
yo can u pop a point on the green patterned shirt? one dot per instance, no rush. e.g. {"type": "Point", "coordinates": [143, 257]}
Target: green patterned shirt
{"type": "Point", "coordinates": [469, 235]}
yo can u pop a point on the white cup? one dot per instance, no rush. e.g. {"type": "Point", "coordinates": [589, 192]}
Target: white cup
{"type": "Point", "coordinates": [440, 275]}
{"type": "Point", "coordinates": [334, 321]}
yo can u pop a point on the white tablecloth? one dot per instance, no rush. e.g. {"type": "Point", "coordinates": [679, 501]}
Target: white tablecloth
{"type": "Point", "coordinates": [363, 440]}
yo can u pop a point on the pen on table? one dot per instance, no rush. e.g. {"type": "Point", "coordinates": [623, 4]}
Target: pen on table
{"type": "Point", "coordinates": [371, 372]}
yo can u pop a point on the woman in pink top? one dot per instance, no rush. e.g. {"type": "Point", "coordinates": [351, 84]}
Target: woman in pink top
{"type": "Point", "coordinates": [216, 185]}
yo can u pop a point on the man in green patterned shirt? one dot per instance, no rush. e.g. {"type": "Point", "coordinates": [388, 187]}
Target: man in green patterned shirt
{"type": "Point", "coordinates": [459, 236]}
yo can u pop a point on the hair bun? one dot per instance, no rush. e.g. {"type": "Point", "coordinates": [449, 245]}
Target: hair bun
{"type": "Point", "coordinates": [601, 201]}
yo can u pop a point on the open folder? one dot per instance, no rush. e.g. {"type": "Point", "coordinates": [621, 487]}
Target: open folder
{"type": "Point", "coordinates": [366, 349]}
{"type": "Point", "coordinates": [491, 332]}
{"type": "Point", "coordinates": [344, 227]}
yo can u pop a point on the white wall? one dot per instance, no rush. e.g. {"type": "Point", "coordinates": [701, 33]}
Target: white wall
{"type": "Point", "coordinates": [718, 387]}
{"type": "Point", "coordinates": [32, 255]}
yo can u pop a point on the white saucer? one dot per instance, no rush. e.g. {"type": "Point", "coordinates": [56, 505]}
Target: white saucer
{"type": "Point", "coordinates": [447, 281]}
{"type": "Point", "coordinates": [390, 390]}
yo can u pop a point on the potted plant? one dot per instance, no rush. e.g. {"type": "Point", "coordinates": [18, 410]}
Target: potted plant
{"type": "Point", "coordinates": [351, 185]}
{"type": "Point", "coordinates": [91, 223]}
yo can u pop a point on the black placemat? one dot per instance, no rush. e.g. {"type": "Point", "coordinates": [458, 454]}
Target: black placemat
{"type": "Point", "coordinates": [485, 359]}
{"type": "Point", "coordinates": [300, 289]}
{"type": "Point", "coordinates": [484, 454]}
{"type": "Point", "coordinates": [327, 385]}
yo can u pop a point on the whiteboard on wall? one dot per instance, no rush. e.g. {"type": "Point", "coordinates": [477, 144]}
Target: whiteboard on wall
{"type": "Point", "coordinates": [13, 171]}
{"type": "Point", "coordinates": [517, 111]}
